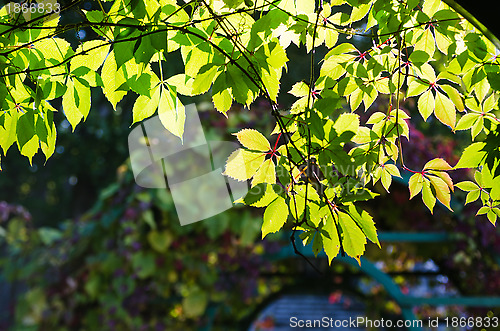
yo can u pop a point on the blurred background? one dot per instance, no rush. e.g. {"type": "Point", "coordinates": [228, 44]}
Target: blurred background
{"type": "Point", "coordinates": [82, 247]}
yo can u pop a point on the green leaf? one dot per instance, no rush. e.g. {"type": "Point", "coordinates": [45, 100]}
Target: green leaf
{"type": "Point", "coordinates": [442, 190]}
{"type": "Point", "coordinates": [427, 196]}
{"type": "Point", "coordinates": [353, 239]}
{"type": "Point", "coordinates": [331, 244]}
{"type": "Point", "coordinates": [445, 110]}
{"type": "Point", "coordinates": [265, 174]}
{"type": "Point", "coordinates": [454, 96]}
{"type": "Point", "coordinates": [144, 264]}
{"type": "Point", "coordinates": [466, 121]}
{"type": "Point", "coordinates": [145, 106]}
{"type": "Point", "coordinates": [415, 88]}
{"type": "Point", "coordinates": [49, 146]}
{"type": "Point", "coordinates": [265, 200]}
{"type": "Point", "coordinates": [415, 184]}
{"type": "Point", "coordinates": [472, 156]}
{"type": "Point", "coordinates": [25, 129]}
{"type": "Point", "coordinates": [346, 122]}
{"type": "Point", "coordinates": [317, 243]}
{"type": "Point", "coordinates": [426, 104]}
{"type": "Point", "coordinates": [171, 111]}
{"type": "Point", "coordinates": [437, 164]}
{"type": "Point", "coordinates": [472, 196]}
{"type": "Point", "coordinates": [195, 303]}
{"type": "Point", "coordinates": [205, 77]}
{"type": "Point", "coordinates": [49, 235]}
{"type": "Point", "coordinates": [253, 139]}
{"type": "Point", "coordinates": [8, 130]}
{"type": "Point", "coordinates": [365, 222]}
{"type": "Point", "coordinates": [467, 186]}
{"type": "Point", "coordinates": [242, 164]}
{"type": "Point", "coordinates": [275, 216]}
{"type": "Point", "coordinates": [426, 43]}
{"type": "Point", "coordinates": [255, 194]}
{"type": "Point", "coordinates": [160, 241]}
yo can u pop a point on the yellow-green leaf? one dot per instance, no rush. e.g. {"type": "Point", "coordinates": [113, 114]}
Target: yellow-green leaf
{"type": "Point", "coordinates": [275, 216]}
{"type": "Point", "coordinates": [30, 148]}
{"type": "Point", "coordinates": [445, 110]}
{"type": "Point", "coordinates": [253, 139]}
{"type": "Point", "coordinates": [386, 180]}
{"type": "Point", "coordinates": [112, 79]}
{"type": "Point", "coordinates": [183, 83]}
{"type": "Point", "coordinates": [242, 164]}
{"type": "Point", "coordinates": [93, 54]}
{"type": "Point", "coordinates": [347, 122]}
{"type": "Point", "coordinates": [160, 240]}
{"type": "Point", "coordinates": [353, 239]}
{"type": "Point", "coordinates": [299, 89]}
{"type": "Point", "coordinates": [426, 104]}
{"type": "Point", "coordinates": [265, 174]}
{"type": "Point", "coordinates": [415, 184]}
{"type": "Point", "coordinates": [442, 190]}
{"type": "Point", "coordinates": [428, 197]}
{"type": "Point", "coordinates": [454, 96]}
{"type": "Point", "coordinates": [145, 106]}
{"type": "Point", "coordinates": [426, 43]}
{"type": "Point", "coordinates": [416, 87]}
{"type": "Point", "coordinates": [222, 101]}
{"type": "Point", "coordinates": [467, 186]}
{"type": "Point", "coordinates": [195, 303]}
{"type": "Point", "coordinates": [171, 111]}
{"type": "Point", "coordinates": [71, 111]}
{"type": "Point", "coordinates": [437, 164]}
{"type": "Point", "coordinates": [331, 245]}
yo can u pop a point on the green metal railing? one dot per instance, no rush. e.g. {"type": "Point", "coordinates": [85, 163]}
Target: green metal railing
{"type": "Point", "coordinates": [405, 301]}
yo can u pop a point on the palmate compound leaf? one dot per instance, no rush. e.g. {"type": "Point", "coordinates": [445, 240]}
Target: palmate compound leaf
{"type": "Point", "coordinates": [244, 164]}
{"type": "Point", "coordinates": [472, 188]}
{"type": "Point", "coordinates": [275, 216]}
{"type": "Point", "coordinates": [171, 111]}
